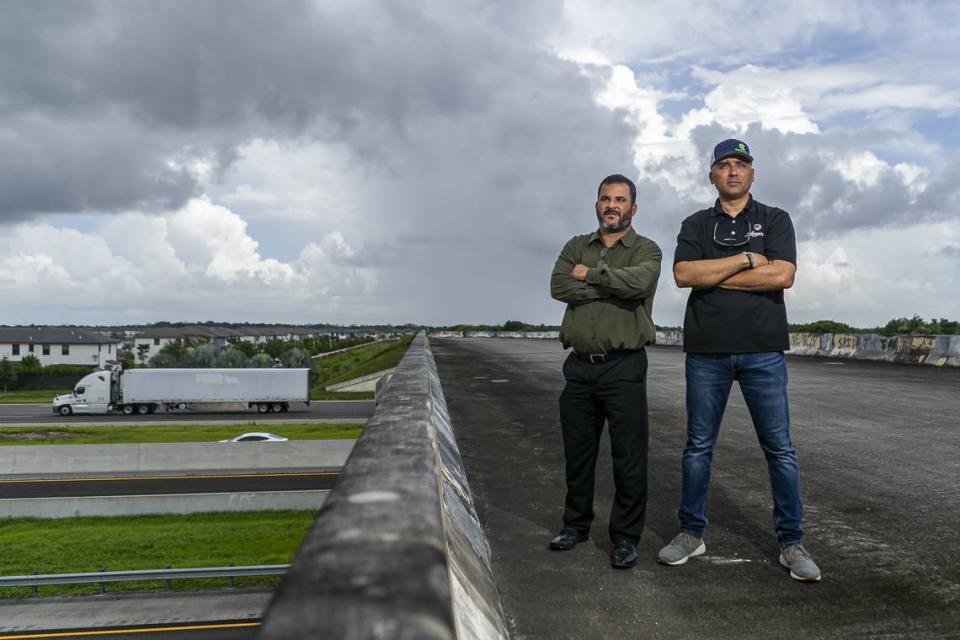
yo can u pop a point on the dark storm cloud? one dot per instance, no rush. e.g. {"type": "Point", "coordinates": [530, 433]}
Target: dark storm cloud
{"type": "Point", "coordinates": [97, 98]}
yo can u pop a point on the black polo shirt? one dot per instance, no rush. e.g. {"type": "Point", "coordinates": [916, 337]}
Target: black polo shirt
{"type": "Point", "coordinates": [724, 321]}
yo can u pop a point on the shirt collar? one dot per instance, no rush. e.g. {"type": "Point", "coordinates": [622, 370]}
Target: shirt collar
{"type": "Point", "coordinates": [628, 239]}
{"type": "Point", "coordinates": [718, 210]}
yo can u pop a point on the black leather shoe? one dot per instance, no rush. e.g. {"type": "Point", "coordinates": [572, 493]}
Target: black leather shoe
{"type": "Point", "coordinates": [567, 539]}
{"type": "Point", "coordinates": [624, 555]}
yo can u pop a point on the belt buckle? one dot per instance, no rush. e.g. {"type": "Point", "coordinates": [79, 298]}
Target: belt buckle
{"type": "Point", "coordinates": [597, 358]}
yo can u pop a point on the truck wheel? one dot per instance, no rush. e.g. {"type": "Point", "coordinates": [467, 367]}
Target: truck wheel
{"type": "Point", "coordinates": [263, 407]}
{"type": "Point", "coordinates": [127, 410]}
{"type": "Point", "coordinates": [143, 409]}
{"type": "Point", "coordinates": [276, 407]}
{"type": "Point", "coordinates": [65, 410]}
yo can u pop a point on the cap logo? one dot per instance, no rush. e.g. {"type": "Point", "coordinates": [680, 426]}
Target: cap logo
{"type": "Point", "coordinates": [742, 147]}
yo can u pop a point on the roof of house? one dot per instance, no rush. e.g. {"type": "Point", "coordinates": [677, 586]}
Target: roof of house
{"type": "Point", "coordinates": [53, 335]}
{"type": "Point", "coordinates": [211, 332]}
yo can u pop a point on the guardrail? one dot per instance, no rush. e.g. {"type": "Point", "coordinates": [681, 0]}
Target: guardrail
{"type": "Point", "coordinates": [141, 575]}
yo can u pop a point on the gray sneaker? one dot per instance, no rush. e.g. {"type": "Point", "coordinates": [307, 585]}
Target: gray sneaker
{"type": "Point", "coordinates": [680, 549]}
{"type": "Point", "coordinates": [800, 562]}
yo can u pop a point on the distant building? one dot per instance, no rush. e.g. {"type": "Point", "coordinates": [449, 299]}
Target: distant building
{"type": "Point", "coordinates": [57, 345]}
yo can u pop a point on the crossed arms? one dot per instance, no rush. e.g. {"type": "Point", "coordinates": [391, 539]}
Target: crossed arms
{"type": "Point", "coordinates": [735, 273]}
{"type": "Point", "coordinates": [576, 283]}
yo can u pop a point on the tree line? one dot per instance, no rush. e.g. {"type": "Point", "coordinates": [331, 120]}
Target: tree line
{"type": "Point", "coordinates": [915, 326]}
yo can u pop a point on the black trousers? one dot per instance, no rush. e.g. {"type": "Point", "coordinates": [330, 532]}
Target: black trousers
{"type": "Point", "coordinates": [614, 392]}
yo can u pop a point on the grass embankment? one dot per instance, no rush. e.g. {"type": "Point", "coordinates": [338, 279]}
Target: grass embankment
{"type": "Point", "coordinates": [84, 545]}
{"type": "Point", "coordinates": [159, 432]}
{"type": "Point", "coordinates": [39, 396]}
{"type": "Point", "coordinates": [354, 364]}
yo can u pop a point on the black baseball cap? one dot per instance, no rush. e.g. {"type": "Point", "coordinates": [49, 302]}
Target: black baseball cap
{"type": "Point", "coordinates": [731, 148]}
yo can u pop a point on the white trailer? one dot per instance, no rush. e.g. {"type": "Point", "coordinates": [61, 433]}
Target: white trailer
{"type": "Point", "coordinates": [147, 390]}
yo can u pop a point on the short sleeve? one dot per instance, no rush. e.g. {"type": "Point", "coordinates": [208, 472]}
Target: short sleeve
{"type": "Point", "coordinates": [780, 242]}
{"type": "Point", "coordinates": [688, 242]}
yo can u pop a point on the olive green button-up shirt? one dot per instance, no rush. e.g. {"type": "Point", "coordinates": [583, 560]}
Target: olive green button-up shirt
{"type": "Point", "coordinates": [612, 309]}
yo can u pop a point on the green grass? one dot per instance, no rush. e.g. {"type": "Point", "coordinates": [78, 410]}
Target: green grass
{"type": "Point", "coordinates": [38, 396]}
{"type": "Point", "coordinates": [82, 545]}
{"type": "Point", "coordinates": [358, 362]}
{"type": "Point", "coordinates": [341, 395]}
{"type": "Point", "coordinates": [157, 432]}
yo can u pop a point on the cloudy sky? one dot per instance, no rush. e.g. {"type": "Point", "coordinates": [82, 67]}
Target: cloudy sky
{"type": "Point", "coordinates": [377, 161]}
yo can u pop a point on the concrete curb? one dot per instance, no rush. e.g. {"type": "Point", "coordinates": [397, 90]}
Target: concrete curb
{"type": "Point", "coordinates": [368, 382]}
{"type": "Point", "coordinates": [181, 456]}
{"type": "Point", "coordinates": [397, 550]}
{"type": "Point", "coordinates": [181, 503]}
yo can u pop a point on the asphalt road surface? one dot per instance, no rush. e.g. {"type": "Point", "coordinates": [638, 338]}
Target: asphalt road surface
{"type": "Point", "coordinates": [226, 630]}
{"type": "Point", "coordinates": [166, 484]}
{"type": "Point", "coordinates": [318, 410]}
{"type": "Point", "coordinates": [879, 450]}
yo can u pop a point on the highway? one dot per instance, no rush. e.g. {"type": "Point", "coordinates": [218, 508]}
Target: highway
{"type": "Point", "coordinates": [219, 630]}
{"type": "Point", "coordinates": [879, 451]}
{"type": "Point", "coordinates": [55, 487]}
{"type": "Point", "coordinates": [321, 410]}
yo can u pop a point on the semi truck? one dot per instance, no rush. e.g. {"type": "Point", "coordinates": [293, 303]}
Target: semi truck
{"type": "Point", "coordinates": [143, 391]}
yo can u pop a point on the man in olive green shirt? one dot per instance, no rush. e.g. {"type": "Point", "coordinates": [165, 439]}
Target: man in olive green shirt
{"type": "Point", "coordinates": [607, 278]}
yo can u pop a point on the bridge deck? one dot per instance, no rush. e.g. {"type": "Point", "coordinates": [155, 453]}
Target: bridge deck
{"type": "Point", "coordinates": [879, 450]}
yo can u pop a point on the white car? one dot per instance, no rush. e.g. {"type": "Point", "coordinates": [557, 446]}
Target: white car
{"type": "Point", "coordinates": [256, 436]}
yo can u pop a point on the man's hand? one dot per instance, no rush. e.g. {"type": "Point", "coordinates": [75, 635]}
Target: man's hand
{"type": "Point", "coordinates": [580, 272]}
{"type": "Point", "coordinates": [759, 260]}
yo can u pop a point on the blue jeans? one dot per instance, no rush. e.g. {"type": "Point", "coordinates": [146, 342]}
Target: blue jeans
{"type": "Point", "coordinates": [763, 382]}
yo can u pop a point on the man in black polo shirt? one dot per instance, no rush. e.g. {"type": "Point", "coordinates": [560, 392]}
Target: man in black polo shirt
{"type": "Point", "coordinates": [737, 257]}
{"type": "Point", "coordinates": [607, 278]}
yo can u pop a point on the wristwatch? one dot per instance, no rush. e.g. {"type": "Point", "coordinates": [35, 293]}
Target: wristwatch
{"type": "Point", "coordinates": [749, 258]}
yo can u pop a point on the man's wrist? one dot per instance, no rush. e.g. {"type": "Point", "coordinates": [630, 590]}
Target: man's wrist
{"type": "Point", "coordinates": [749, 257]}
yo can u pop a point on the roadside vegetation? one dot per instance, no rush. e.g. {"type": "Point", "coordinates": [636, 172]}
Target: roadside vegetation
{"type": "Point", "coordinates": [160, 432]}
{"type": "Point", "coordinates": [36, 396]}
{"type": "Point", "coordinates": [355, 363]}
{"type": "Point", "coordinates": [83, 545]}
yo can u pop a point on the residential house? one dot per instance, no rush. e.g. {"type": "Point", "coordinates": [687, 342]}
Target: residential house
{"type": "Point", "coordinates": [58, 345]}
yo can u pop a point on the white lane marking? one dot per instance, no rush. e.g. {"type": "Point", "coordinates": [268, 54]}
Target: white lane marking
{"type": "Point", "coordinates": [720, 560]}
{"type": "Point", "coordinates": [499, 381]}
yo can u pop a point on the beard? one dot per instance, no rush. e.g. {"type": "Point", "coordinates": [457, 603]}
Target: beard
{"type": "Point", "coordinates": [615, 227]}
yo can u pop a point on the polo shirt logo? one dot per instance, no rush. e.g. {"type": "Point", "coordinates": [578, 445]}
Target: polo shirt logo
{"type": "Point", "coordinates": [757, 231]}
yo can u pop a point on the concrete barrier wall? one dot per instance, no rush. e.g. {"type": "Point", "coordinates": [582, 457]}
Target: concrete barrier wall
{"type": "Point", "coordinates": [129, 458]}
{"type": "Point", "coordinates": [939, 351]}
{"type": "Point", "coordinates": [397, 550]}
{"type": "Point", "coordinates": [75, 507]}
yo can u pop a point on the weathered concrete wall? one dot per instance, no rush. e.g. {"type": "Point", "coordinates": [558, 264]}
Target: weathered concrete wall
{"type": "Point", "coordinates": [182, 456]}
{"type": "Point", "coordinates": [940, 351]}
{"type": "Point", "coordinates": [75, 507]}
{"type": "Point", "coordinates": [397, 550]}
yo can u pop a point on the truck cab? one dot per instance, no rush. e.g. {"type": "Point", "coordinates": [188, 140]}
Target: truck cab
{"type": "Point", "coordinates": [92, 394]}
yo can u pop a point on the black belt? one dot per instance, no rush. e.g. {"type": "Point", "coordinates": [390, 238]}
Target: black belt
{"type": "Point", "coordinates": [600, 358]}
